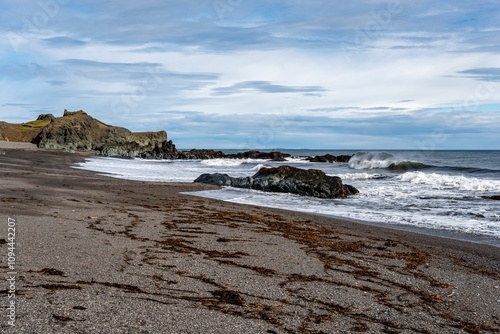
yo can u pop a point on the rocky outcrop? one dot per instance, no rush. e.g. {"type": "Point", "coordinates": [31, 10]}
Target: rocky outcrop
{"type": "Point", "coordinates": [494, 197]}
{"type": "Point", "coordinates": [286, 179]}
{"type": "Point", "coordinates": [199, 154]}
{"type": "Point", "coordinates": [212, 154]}
{"type": "Point", "coordinates": [329, 158]}
{"type": "Point", "coordinates": [274, 156]}
{"type": "Point", "coordinates": [79, 131]}
{"type": "Point", "coordinates": [44, 117]}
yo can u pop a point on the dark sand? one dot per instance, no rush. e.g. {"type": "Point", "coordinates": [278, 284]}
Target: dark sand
{"type": "Point", "coordinates": [101, 255]}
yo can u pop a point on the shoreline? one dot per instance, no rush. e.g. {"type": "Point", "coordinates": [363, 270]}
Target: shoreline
{"type": "Point", "coordinates": [104, 254]}
{"type": "Point", "coordinates": [447, 234]}
{"type": "Point", "coordinates": [443, 234]}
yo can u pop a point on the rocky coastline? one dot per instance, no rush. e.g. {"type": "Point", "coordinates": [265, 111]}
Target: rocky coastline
{"type": "Point", "coordinates": [286, 179]}
{"type": "Point", "coordinates": [78, 131]}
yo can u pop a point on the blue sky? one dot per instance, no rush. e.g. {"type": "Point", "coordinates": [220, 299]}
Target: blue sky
{"type": "Point", "coordinates": [372, 74]}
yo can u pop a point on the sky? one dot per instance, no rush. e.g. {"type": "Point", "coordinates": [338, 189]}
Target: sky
{"type": "Point", "coordinates": [249, 74]}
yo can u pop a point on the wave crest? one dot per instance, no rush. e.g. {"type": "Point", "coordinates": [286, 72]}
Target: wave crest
{"type": "Point", "coordinates": [440, 181]}
{"type": "Point", "coordinates": [379, 160]}
{"type": "Point", "coordinates": [372, 160]}
{"type": "Point", "coordinates": [222, 162]}
{"type": "Point", "coordinates": [360, 176]}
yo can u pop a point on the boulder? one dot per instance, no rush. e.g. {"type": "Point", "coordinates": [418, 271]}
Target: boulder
{"type": "Point", "coordinates": [200, 154]}
{"type": "Point", "coordinates": [274, 156]}
{"type": "Point", "coordinates": [286, 179]}
{"type": "Point", "coordinates": [494, 197]}
{"type": "Point", "coordinates": [329, 158]}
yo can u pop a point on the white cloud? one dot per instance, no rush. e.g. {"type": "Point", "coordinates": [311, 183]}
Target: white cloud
{"type": "Point", "coordinates": [268, 58]}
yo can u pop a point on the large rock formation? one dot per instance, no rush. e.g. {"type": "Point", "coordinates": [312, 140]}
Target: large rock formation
{"type": "Point", "coordinates": [286, 179]}
{"type": "Point", "coordinates": [79, 131]}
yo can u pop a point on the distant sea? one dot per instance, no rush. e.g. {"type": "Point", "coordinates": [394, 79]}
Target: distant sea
{"type": "Point", "coordinates": [433, 192]}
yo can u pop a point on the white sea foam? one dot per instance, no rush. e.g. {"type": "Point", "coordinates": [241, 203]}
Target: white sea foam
{"type": "Point", "coordinates": [372, 160]}
{"type": "Point", "coordinates": [360, 176]}
{"type": "Point", "coordinates": [440, 181]}
{"type": "Point", "coordinates": [258, 167]}
{"type": "Point", "coordinates": [430, 200]}
{"type": "Point", "coordinates": [223, 162]}
{"type": "Point", "coordinates": [297, 160]}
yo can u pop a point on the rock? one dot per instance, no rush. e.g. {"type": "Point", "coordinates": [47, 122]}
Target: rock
{"type": "Point", "coordinates": [217, 179]}
{"type": "Point", "coordinates": [200, 154]}
{"type": "Point", "coordinates": [79, 131]}
{"type": "Point", "coordinates": [212, 154]}
{"type": "Point", "coordinates": [494, 197]}
{"type": "Point", "coordinates": [286, 179]}
{"type": "Point", "coordinates": [44, 117]}
{"type": "Point", "coordinates": [274, 156]}
{"type": "Point", "coordinates": [330, 158]}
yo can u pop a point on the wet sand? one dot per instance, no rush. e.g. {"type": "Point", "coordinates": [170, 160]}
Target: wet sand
{"type": "Point", "coordinates": [96, 254]}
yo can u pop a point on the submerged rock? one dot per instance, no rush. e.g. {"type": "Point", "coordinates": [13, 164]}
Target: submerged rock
{"type": "Point", "coordinates": [200, 154]}
{"type": "Point", "coordinates": [330, 158]}
{"type": "Point", "coordinates": [286, 179]}
{"type": "Point", "coordinates": [274, 156]}
{"type": "Point", "coordinates": [213, 154]}
{"type": "Point", "coordinates": [494, 197]}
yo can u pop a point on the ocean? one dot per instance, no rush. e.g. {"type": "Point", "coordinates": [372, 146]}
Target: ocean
{"type": "Point", "coordinates": [432, 192]}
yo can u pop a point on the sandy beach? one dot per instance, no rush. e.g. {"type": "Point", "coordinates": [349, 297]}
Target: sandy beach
{"type": "Point", "coordinates": [96, 254]}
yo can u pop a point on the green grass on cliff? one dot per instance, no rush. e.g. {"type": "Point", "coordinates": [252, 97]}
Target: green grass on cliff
{"type": "Point", "coordinates": [33, 125]}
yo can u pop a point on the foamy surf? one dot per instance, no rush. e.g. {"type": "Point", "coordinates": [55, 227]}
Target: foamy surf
{"type": "Point", "coordinates": [459, 182]}
{"type": "Point", "coordinates": [438, 197]}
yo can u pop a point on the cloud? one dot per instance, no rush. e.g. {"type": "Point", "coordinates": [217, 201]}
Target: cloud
{"type": "Point", "coordinates": [266, 87]}
{"type": "Point", "coordinates": [403, 131]}
{"type": "Point", "coordinates": [368, 71]}
{"type": "Point", "coordinates": [63, 41]}
{"type": "Point", "coordinates": [29, 71]}
{"type": "Point", "coordinates": [482, 74]}
{"type": "Point", "coordinates": [56, 82]}
{"type": "Point", "coordinates": [132, 71]}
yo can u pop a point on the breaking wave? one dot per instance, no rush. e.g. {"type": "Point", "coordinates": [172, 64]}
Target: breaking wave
{"type": "Point", "coordinates": [222, 162]}
{"type": "Point", "coordinates": [376, 160]}
{"type": "Point", "coordinates": [361, 176]}
{"type": "Point", "coordinates": [440, 181]}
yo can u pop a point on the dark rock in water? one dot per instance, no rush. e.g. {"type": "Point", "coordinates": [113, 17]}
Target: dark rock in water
{"type": "Point", "coordinates": [405, 166]}
{"type": "Point", "coordinates": [329, 158]}
{"type": "Point", "coordinates": [274, 156]}
{"type": "Point", "coordinates": [286, 179]}
{"type": "Point", "coordinates": [494, 197]}
{"type": "Point", "coordinates": [200, 154]}
{"type": "Point", "coordinates": [212, 154]}
{"type": "Point", "coordinates": [217, 179]}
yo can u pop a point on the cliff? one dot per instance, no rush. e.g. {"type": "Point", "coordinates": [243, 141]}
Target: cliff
{"type": "Point", "coordinates": [79, 131]}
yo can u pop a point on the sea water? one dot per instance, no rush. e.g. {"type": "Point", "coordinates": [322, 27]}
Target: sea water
{"type": "Point", "coordinates": [436, 192]}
